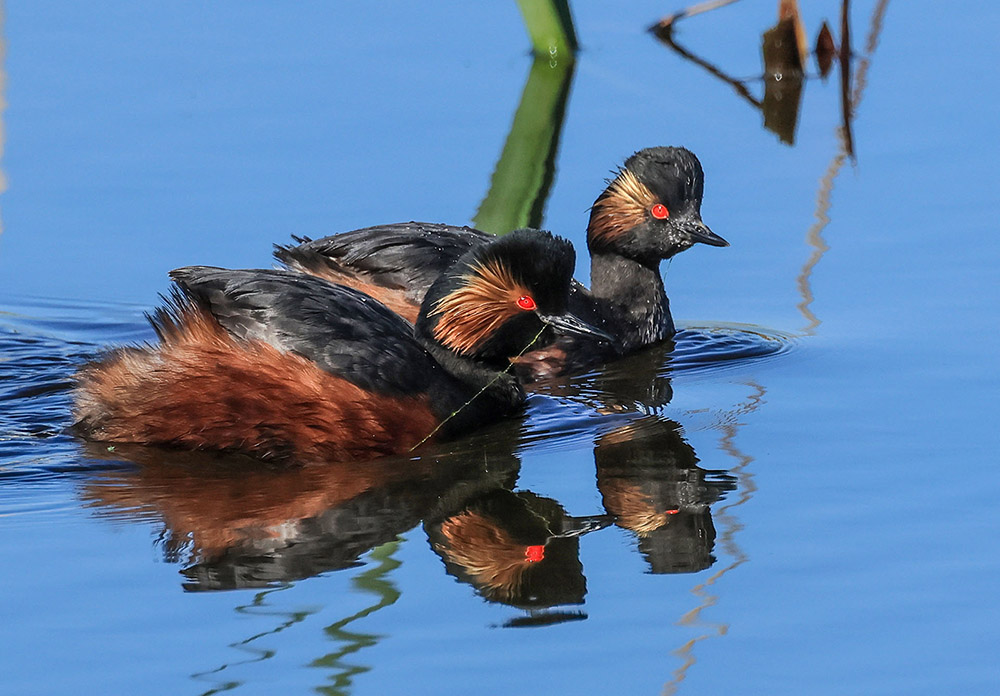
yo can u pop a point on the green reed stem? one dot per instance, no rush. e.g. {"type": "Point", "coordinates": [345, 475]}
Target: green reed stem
{"type": "Point", "coordinates": [550, 26]}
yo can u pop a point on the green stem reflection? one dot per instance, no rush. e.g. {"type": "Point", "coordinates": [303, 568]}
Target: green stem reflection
{"type": "Point", "coordinates": [257, 607]}
{"type": "Point", "coordinates": [373, 581]}
{"type": "Point", "coordinates": [523, 176]}
{"type": "Point", "coordinates": [550, 26]}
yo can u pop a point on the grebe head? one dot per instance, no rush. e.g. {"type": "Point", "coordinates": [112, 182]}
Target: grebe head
{"type": "Point", "coordinates": [497, 299]}
{"type": "Point", "coordinates": [652, 209]}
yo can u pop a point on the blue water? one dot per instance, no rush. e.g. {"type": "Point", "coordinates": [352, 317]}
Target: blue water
{"type": "Point", "coordinates": [824, 427]}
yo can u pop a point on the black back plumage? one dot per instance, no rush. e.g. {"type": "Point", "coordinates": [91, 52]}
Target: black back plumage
{"type": "Point", "coordinates": [343, 331]}
{"type": "Point", "coordinates": [408, 255]}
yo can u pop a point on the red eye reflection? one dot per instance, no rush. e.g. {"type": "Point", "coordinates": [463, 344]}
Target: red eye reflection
{"type": "Point", "coordinates": [534, 554]}
{"type": "Point", "coordinates": [659, 211]}
{"type": "Point", "coordinates": [525, 302]}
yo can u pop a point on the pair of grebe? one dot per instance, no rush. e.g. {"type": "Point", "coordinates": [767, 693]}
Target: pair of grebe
{"type": "Point", "coordinates": [320, 361]}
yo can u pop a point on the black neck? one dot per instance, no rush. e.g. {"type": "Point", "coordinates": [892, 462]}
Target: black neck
{"type": "Point", "coordinates": [633, 298]}
{"type": "Point", "coordinates": [477, 392]}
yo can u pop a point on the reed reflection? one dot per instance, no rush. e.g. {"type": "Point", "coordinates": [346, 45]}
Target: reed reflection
{"type": "Point", "coordinates": [523, 176]}
{"type": "Point", "coordinates": [851, 94]}
{"type": "Point", "coordinates": [785, 56]}
{"type": "Point", "coordinates": [730, 524]}
{"type": "Point", "coordinates": [786, 64]}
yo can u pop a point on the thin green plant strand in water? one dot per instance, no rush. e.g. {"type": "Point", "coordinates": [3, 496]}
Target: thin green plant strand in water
{"type": "Point", "coordinates": [476, 395]}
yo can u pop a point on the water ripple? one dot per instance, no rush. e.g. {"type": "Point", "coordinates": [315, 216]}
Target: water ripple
{"type": "Point", "coordinates": [644, 383]}
{"type": "Point", "coordinates": [713, 346]}
{"type": "Point", "coordinates": [42, 343]}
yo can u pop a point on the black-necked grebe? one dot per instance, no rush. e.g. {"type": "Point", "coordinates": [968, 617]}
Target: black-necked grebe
{"type": "Point", "coordinates": [649, 212]}
{"type": "Point", "coordinates": [286, 366]}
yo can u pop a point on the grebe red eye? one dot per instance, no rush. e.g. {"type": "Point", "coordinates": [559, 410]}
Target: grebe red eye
{"type": "Point", "coordinates": [525, 302]}
{"type": "Point", "coordinates": [659, 211]}
{"type": "Point", "coordinates": [534, 554]}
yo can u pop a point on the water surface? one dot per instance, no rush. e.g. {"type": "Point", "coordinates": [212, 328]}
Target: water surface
{"type": "Point", "coordinates": [799, 496]}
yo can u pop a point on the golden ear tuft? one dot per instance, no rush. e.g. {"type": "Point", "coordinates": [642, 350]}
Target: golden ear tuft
{"type": "Point", "coordinates": [621, 207]}
{"type": "Point", "coordinates": [487, 297]}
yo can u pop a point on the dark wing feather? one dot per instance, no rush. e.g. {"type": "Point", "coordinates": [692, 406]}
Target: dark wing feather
{"type": "Point", "coordinates": [407, 256]}
{"type": "Point", "coordinates": [343, 331]}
